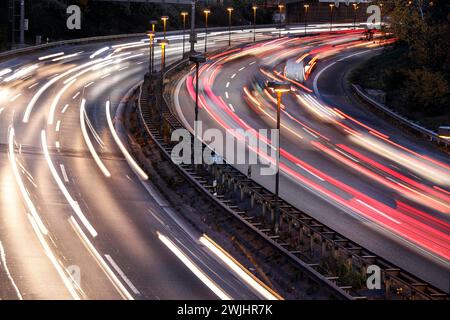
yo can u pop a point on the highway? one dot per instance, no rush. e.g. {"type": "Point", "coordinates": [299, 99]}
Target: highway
{"type": "Point", "coordinates": [76, 221]}
{"type": "Point", "coordinates": [349, 169]}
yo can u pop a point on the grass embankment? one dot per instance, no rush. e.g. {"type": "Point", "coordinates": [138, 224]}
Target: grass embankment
{"type": "Point", "coordinates": [418, 93]}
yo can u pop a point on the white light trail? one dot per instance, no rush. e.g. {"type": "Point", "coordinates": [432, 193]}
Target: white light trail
{"type": "Point", "coordinates": [89, 144]}
{"type": "Point", "coordinates": [197, 272]}
{"type": "Point", "coordinates": [76, 208]}
{"type": "Point", "coordinates": [122, 148]}
{"type": "Point", "coordinates": [243, 273]}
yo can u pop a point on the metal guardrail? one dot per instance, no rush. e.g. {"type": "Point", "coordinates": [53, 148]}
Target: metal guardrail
{"type": "Point", "coordinates": [16, 52]}
{"type": "Point", "coordinates": [302, 237]}
{"type": "Point", "coordinates": [432, 136]}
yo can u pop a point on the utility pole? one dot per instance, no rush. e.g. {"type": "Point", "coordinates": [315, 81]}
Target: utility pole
{"type": "Point", "coordinates": [22, 22]}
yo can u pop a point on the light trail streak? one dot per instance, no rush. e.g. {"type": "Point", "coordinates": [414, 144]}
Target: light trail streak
{"type": "Point", "coordinates": [122, 148]}
{"type": "Point", "coordinates": [88, 142]}
{"type": "Point", "coordinates": [76, 208]}
{"type": "Point", "coordinates": [191, 266]}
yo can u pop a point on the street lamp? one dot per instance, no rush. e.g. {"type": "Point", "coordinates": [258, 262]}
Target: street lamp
{"type": "Point", "coordinates": [184, 14]}
{"type": "Point", "coordinates": [279, 88]}
{"type": "Point", "coordinates": [163, 43]}
{"type": "Point", "coordinates": [206, 12]}
{"type": "Point", "coordinates": [230, 11]}
{"type": "Point", "coordinates": [355, 7]}
{"type": "Point", "coordinates": [331, 16]}
{"type": "Point", "coordinates": [254, 22]}
{"type": "Point", "coordinates": [306, 6]}
{"type": "Point", "coordinates": [164, 20]}
{"type": "Point", "coordinates": [280, 6]}
{"type": "Point", "coordinates": [153, 23]}
{"type": "Point", "coordinates": [197, 59]}
{"type": "Point", "coordinates": [151, 35]}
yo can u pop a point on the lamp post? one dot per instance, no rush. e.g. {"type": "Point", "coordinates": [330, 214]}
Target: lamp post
{"type": "Point", "coordinates": [163, 43]}
{"type": "Point", "coordinates": [355, 7]}
{"type": "Point", "coordinates": [280, 6]}
{"type": "Point", "coordinates": [151, 35]}
{"type": "Point", "coordinates": [164, 20]}
{"type": "Point", "coordinates": [206, 12]}
{"type": "Point", "coordinates": [331, 16]}
{"type": "Point", "coordinates": [184, 14]}
{"type": "Point", "coordinates": [306, 6]}
{"type": "Point", "coordinates": [152, 53]}
{"type": "Point", "coordinates": [279, 88]}
{"type": "Point", "coordinates": [230, 11]}
{"type": "Point", "coordinates": [254, 22]}
{"type": "Point", "coordinates": [197, 59]}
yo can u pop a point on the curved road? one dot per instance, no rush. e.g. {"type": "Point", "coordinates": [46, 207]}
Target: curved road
{"type": "Point", "coordinates": [344, 166]}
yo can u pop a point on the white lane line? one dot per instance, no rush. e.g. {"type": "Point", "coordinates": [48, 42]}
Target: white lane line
{"type": "Point", "coordinates": [122, 274]}
{"type": "Point", "coordinates": [311, 173]}
{"type": "Point", "coordinates": [241, 69]}
{"type": "Point", "coordinates": [122, 68]}
{"type": "Point", "coordinates": [65, 108]}
{"type": "Point", "coordinates": [315, 136]}
{"type": "Point", "coordinates": [75, 206]}
{"type": "Point", "coordinates": [346, 155]}
{"type": "Point", "coordinates": [104, 76]}
{"type": "Point", "coordinates": [89, 84]}
{"type": "Point", "coordinates": [33, 85]}
{"type": "Point", "coordinates": [234, 75]}
{"type": "Point", "coordinates": [64, 173]}
{"type": "Point", "coordinates": [57, 145]}
{"type": "Point", "coordinates": [5, 266]}
{"type": "Point", "coordinates": [76, 95]}
{"type": "Point", "coordinates": [231, 107]}
{"type": "Point", "coordinates": [122, 148]}
{"type": "Point", "coordinates": [228, 84]}
{"type": "Point", "coordinates": [191, 266]}
{"type": "Point", "coordinates": [1, 110]}
{"type": "Point", "coordinates": [252, 63]}
{"type": "Point", "coordinates": [378, 211]}
{"type": "Point", "coordinates": [227, 95]}
{"type": "Point", "coordinates": [51, 115]}
{"type": "Point", "coordinates": [15, 97]}
{"type": "Point", "coordinates": [102, 263]}
{"type": "Point", "coordinates": [58, 125]}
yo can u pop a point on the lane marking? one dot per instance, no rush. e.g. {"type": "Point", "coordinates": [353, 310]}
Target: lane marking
{"type": "Point", "coordinates": [122, 274]}
{"type": "Point", "coordinates": [65, 108]}
{"type": "Point", "coordinates": [311, 173]}
{"type": "Point", "coordinates": [76, 94]}
{"type": "Point", "coordinates": [58, 125]}
{"type": "Point", "coordinates": [228, 84]}
{"type": "Point", "coordinates": [241, 69]}
{"type": "Point", "coordinates": [227, 95]}
{"type": "Point", "coordinates": [64, 173]}
{"type": "Point", "coordinates": [234, 75]}
{"type": "Point", "coordinates": [231, 107]}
